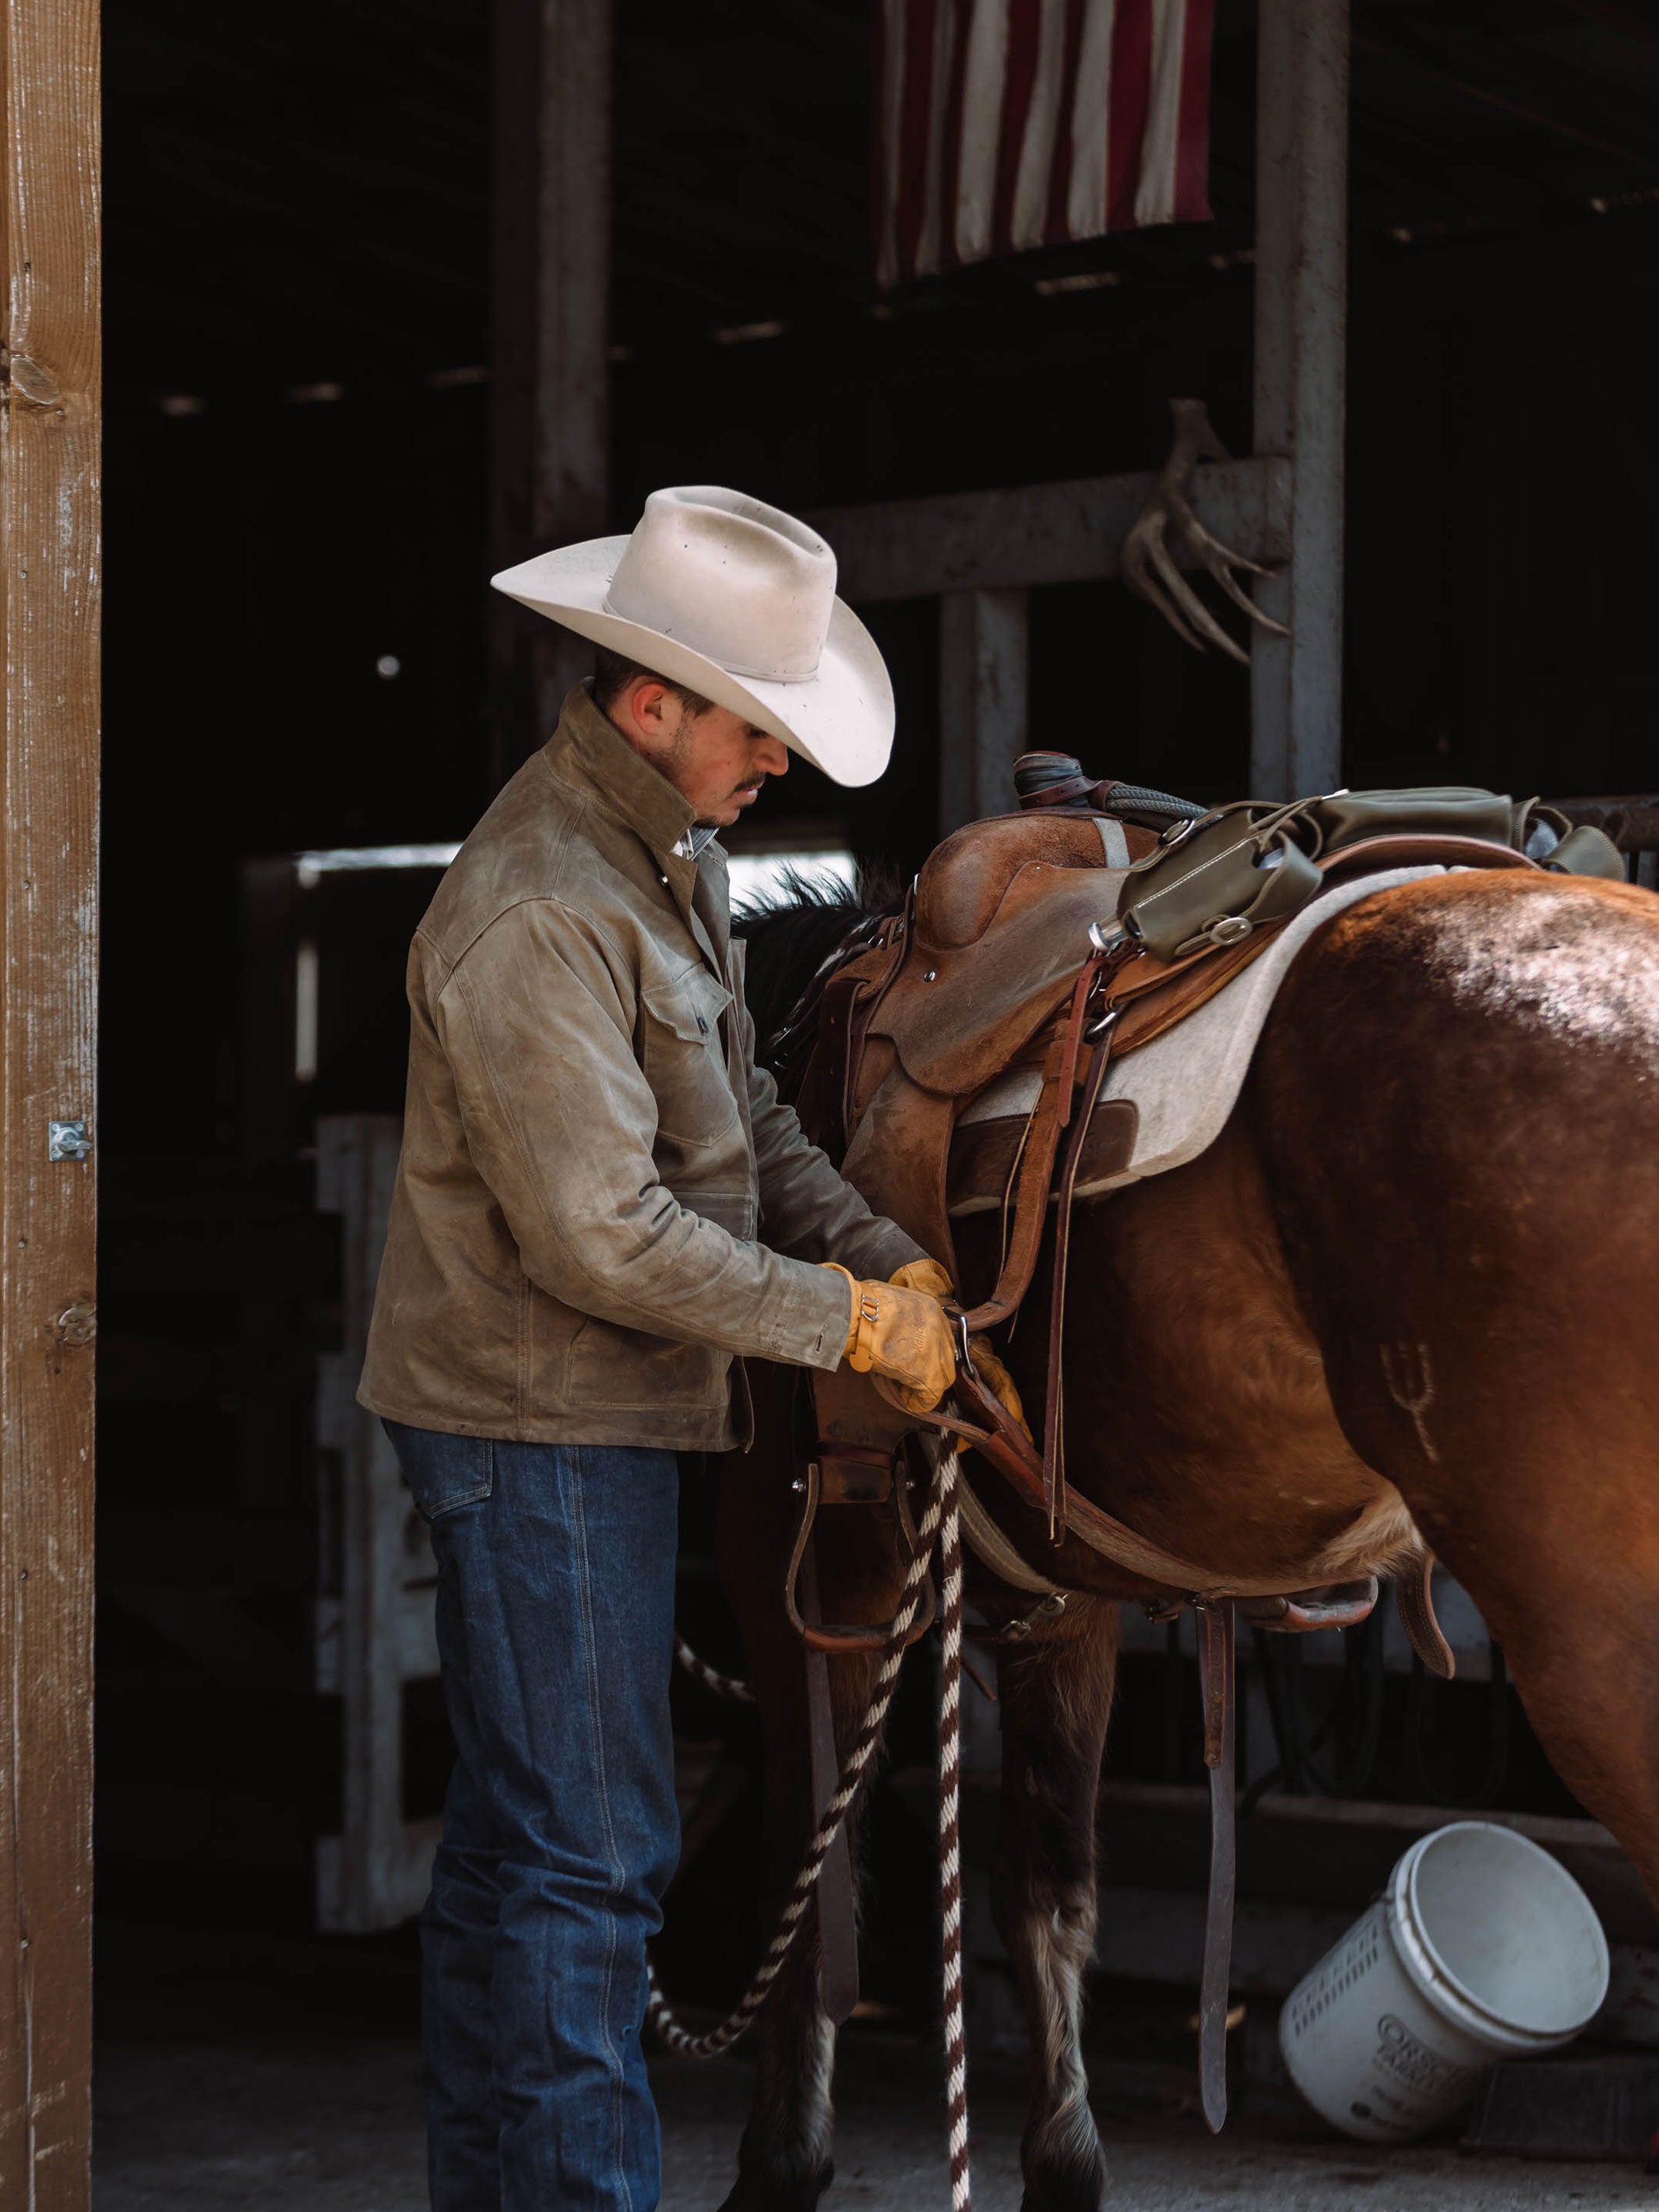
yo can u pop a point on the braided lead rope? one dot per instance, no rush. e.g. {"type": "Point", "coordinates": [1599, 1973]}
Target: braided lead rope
{"type": "Point", "coordinates": [950, 1855]}
{"type": "Point", "coordinates": [723, 1686]}
{"type": "Point", "coordinates": [859, 1760]}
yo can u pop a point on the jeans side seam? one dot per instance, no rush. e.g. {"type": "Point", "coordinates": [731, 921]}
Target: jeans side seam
{"type": "Point", "coordinates": [590, 1667]}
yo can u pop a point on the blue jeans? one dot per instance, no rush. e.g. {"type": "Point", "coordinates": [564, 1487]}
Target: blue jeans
{"type": "Point", "coordinates": [556, 1616]}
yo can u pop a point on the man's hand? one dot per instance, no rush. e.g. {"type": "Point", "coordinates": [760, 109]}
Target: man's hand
{"type": "Point", "coordinates": [924, 1275]}
{"type": "Point", "coordinates": [929, 1279]}
{"type": "Point", "coordinates": [903, 1337]}
{"type": "Point", "coordinates": [928, 1275]}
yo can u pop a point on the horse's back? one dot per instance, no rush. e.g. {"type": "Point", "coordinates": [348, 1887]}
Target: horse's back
{"type": "Point", "coordinates": [1471, 1033]}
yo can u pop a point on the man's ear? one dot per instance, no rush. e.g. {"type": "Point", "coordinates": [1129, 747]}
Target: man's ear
{"type": "Point", "coordinates": [654, 708]}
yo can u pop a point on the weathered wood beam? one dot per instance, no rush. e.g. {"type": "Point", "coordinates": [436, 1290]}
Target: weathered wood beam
{"type": "Point", "coordinates": [49, 724]}
{"type": "Point", "coordinates": [1300, 339]}
{"type": "Point", "coordinates": [1070, 533]}
{"type": "Point", "coordinates": [551, 329]}
{"type": "Point", "coordinates": [983, 682]}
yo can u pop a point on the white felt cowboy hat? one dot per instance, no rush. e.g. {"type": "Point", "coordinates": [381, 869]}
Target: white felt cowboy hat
{"type": "Point", "coordinates": [736, 600]}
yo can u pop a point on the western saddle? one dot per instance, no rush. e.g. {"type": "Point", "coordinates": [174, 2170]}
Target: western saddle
{"type": "Point", "coordinates": [1018, 946]}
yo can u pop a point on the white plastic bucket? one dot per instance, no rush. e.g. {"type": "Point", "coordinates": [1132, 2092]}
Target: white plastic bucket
{"type": "Point", "coordinates": [1482, 1946]}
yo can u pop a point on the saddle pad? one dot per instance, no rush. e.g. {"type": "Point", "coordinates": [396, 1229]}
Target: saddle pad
{"type": "Point", "coordinates": [1185, 1084]}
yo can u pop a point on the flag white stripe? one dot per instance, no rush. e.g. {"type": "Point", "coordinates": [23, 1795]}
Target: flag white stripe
{"type": "Point", "coordinates": [981, 126]}
{"type": "Point", "coordinates": [1091, 107]}
{"type": "Point", "coordinates": [1030, 223]}
{"type": "Point", "coordinates": [1160, 153]}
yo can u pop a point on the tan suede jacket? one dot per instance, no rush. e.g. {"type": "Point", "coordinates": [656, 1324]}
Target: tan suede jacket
{"type": "Point", "coordinates": [590, 1153]}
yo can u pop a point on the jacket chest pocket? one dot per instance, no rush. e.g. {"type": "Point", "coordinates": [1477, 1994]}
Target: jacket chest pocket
{"type": "Point", "coordinates": [683, 1056]}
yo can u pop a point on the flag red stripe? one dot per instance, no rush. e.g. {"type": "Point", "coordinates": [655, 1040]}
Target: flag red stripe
{"type": "Point", "coordinates": [915, 122]}
{"type": "Point", "coordinates": [1057, 227]}
{"type": "Point", "coordinates": [1131, 99]}
{"type": "Point", "coordinates": [1024, 25]}
{"type": "Point", "coordinates": [1192, 197]}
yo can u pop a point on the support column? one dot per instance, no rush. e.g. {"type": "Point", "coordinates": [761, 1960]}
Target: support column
{"type": "Point", "coordinates": [1301, 332]}
{"type": "Point", "coordinates": [549, 343]}
{"type": "Point", "coordinates": [983, 695]}
{"type": "Point", "coordinates": [49, 728]}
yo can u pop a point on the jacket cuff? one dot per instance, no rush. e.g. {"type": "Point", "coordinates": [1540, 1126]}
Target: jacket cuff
{"type": "Point", "coordinates": [820, 1319]}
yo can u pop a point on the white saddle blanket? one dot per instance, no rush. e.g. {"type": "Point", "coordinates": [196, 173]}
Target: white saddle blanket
{"type": "Point", "coordinates": [1185, 1083]}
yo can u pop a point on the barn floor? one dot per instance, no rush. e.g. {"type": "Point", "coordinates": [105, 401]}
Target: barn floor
{"type": "Point", "coordinates": [250, 2079]}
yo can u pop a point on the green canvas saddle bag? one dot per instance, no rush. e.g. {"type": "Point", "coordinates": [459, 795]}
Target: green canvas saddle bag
{"type": "Point", "coordinates": [1215, 880]}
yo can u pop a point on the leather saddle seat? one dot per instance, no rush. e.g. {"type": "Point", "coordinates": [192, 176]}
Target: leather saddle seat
{"type": "Point", "coordinates": [999, 927]}
{"type": "Point", "coordinates": [964, 881]}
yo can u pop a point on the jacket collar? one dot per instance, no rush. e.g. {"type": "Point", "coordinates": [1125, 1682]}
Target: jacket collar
{"type": "Point", "coordinates": [592, 752]}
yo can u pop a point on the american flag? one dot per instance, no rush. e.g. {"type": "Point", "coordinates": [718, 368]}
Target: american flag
{"type": "Point", "coordinates": [1002, 124]}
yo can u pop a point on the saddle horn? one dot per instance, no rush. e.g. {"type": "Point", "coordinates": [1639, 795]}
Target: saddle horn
{"type": "Point", "coordinates": [1055, 781]}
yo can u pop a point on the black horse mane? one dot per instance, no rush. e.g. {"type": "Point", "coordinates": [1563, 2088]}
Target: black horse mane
{"type": "Point", "coordinates": [791, 936]}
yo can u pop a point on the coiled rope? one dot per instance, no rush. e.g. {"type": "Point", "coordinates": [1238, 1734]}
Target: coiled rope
{"type": "Point", "coordinates": [941, 1521]}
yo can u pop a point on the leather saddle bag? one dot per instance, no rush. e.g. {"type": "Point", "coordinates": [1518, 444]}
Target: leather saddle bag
{"type": "Point", "coordinates": [1216, 880]}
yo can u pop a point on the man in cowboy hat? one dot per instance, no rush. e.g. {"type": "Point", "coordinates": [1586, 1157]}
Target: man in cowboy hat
{"type": "Point", "coordinates": [602, 1206]}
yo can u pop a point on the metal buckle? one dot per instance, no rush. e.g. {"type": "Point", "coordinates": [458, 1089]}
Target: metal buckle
{"type": "Point", "coordinates": [1230, 929]}
{"type": "Point", "coordinates": [959, 1321]}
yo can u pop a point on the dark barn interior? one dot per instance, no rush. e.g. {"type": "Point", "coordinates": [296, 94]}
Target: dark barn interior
{"type": "Point", "coordinates": [309, 483]}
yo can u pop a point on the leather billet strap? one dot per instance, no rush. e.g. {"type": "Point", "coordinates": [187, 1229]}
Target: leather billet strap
{"type": "Point", "coordinates": [1304, 1613]}
{"type": "Point", "coordinates": [837, 1902]}
{"type": "Point", "coordinates": [1216, 1669]}
{"type": "Point", "coordinates": [1052, 1114]}
{"type": "Point", "coordinates": [1414, 1594]}
{"type": "Point", "coordinates": [1054, 1428]}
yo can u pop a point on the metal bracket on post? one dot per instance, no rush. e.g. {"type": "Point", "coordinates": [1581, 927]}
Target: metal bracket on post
{"type": "Point", "coordinates": [68, 1141]}
{"type": "Point", "coordinates": [1300, 336]}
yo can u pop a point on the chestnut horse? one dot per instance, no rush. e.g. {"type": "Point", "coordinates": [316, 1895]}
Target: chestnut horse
{"type": "Point", "coordinates": [1414, 1286]}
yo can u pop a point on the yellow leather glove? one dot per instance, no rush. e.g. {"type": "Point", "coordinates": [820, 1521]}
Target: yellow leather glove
{"type": "Point", "coordinates": [923, 1275]}
{"type": "Point", "coordinates": [928, 1275]}
{"type": "Point", "coordinates": [901, 1336]}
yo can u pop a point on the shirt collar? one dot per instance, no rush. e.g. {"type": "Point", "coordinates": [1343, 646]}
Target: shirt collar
{"type": "Point", "coordinates": [696, 841]}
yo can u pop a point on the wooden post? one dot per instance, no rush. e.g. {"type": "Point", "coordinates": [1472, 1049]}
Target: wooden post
{"type": "Point", "coordinates": [49, 604]}
{"type": "Point", "coordinates": [982, 686]}
{"type": "Point", "coordinates": [549, 437]}
{"type": "Point", "coordinates": [1301, 332]}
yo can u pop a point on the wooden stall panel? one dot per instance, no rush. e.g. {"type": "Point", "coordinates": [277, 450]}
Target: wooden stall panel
{"type": "Point", "coordinates": [49, 598]}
